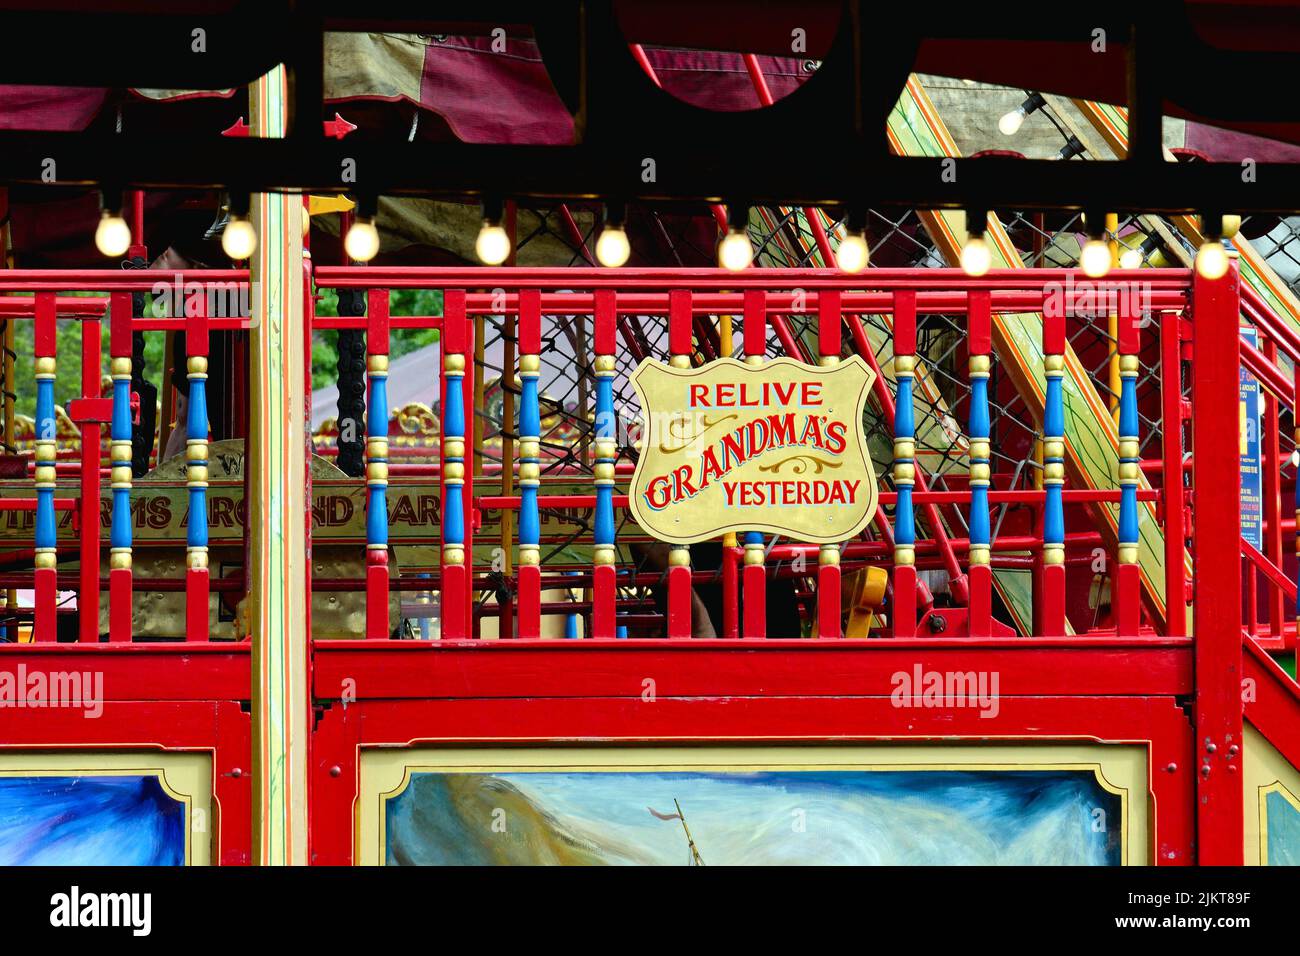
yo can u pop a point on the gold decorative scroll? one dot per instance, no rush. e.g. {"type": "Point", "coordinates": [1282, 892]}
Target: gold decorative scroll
{"type": "Point", "coordinates": [729, 447]}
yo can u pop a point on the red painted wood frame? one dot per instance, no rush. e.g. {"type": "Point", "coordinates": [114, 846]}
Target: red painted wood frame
{"type": "Point", "coordinates": [167, 698]}
{"type": "Point", "coordinates": [558, 693]}
{"type": "Point", "coordinates": [1216, 537]}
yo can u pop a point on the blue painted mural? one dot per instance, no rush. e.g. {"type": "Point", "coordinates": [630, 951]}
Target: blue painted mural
{"type": "Point", "coordinates": [872, 817]}
{"type": "Point", "coordinates": [1283, 830]}
{"type": "Point", "coordinates": [127, 820]}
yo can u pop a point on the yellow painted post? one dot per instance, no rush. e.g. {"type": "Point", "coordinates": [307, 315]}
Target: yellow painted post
{"type": "Point", "coordinates": [276, 462]}
{"type": "Point", "coordinates": [1112, 321]}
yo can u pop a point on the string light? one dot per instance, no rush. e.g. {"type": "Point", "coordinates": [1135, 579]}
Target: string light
{"type": "Point", "coordinates": [1211, 257]}
{"type": "Point", "coordinates": [612, 246]}
{"type": "Point", "coordinates": [853, 253]}
{"type": "Point", "coordinates": [976, 257]}
{"type": "Point", "coordinates": [1095, 257]}
{"type": "Point", "coordinates": [362, 241]}
{"type": "Point", "coordinates": [112, 235]}
{"type": "Point", "coordinates": [493, 243]}
{"type": "Point", "coordinates": [239, 238]}
{"type": "Point", "coordinates": [1010, 123]}
{"type": "Point", "coordinates": [735, 251]}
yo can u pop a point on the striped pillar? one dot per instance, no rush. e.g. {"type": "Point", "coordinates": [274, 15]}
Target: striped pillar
{"type": "Point", "coordinates": [829, 321]}
{"type": "Point", "coordinates": [120, 348]}
{"type": "Point", "coordinates": [530, 443]}
{"type": "Point", "coordinates": [196, 480]}
{"type": "Point", "coordinates": [905, 583]}
{"type": "Point", "coordinates": [1126, 587]}
{"type": "Point", "coordinates": [456, 613]}
{"type": "Point", "coordinates": [980, 346]}
{"type": "Point", "coordinates": [278, 488]}
{"type": "Point", "coordinates": [604, 574]}
{"type": "Point", "coordinates": [45, 625]}
{"type": "Point", "coordinates": [679, 556]}
{"type": "Point", "coordinates": [377, 575]}
{"type": "Point", "coordinates": [754, 576]}
{"type": "Point", "coordinates": [1052, 610]}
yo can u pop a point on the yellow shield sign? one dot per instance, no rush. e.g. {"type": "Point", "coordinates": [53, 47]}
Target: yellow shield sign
{"type": "Point", "coordinates": [776, 448]}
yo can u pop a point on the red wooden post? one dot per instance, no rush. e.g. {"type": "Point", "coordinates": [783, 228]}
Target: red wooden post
{"type": "Point", "coordinates": [679, 556]}
{"type": "Point", "coordinates": [828, 559]}
{"type": "Point", "coordinates": [120, 558]}
{"type": "Point", "coordinates": [604, 573]}
{"type": "Point", "coordinates": [1217, 542]}
{"type": "Point", "coordinates": [1272, 463]}
{"type": "Point", "coordinates": [1171, 416]}
{"type": "Point", "coordinates": [377, 575]}
{"type": "Point", "coordinates": [980, 346]}
{"type": "Point", "coordinates": [456, 615]}
{"type": "Point", "coordinates": [45, 622]}
{"type": "Point", "coordinates": [196, 452]}
{"type": "Point", "coordinates": [754, 575]}
{"type": "Point", "coordinates": [529, 600]}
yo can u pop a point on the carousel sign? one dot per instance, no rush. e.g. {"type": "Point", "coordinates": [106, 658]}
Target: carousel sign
{"type": "Point", "coordinates": [776, 448]}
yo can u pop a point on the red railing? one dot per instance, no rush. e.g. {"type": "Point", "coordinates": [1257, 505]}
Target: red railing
{"type": "Point", "coordinates": [89, 412]}
{"type": "Point", "coordinates": [626, 298]}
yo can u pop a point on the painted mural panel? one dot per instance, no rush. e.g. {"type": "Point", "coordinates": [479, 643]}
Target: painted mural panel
{"type": "Point", "coordinates": [1272, 804]}
{"type": "Point", "coordinates": [104, 810]}
{"type": "Point", "coordinates": [771, 806]}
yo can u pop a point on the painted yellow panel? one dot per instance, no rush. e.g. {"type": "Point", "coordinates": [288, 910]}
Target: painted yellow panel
{"type": "Point", "coordinates": [1272, 804]}
{"type": "Point", "coordinates": [948, 803]}
{"type": "Point", "coordinates": [776, 448]}
{"type": "Point", "coordinates": [88, 808]}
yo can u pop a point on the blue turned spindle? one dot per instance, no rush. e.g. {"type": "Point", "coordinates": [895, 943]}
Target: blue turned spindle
{"type": "Point", "coordinates": [1054, 461]}
{"type": "Point", "coordinates": [904, 461]}
{"type": "Point", "coordinates": [905, 580]}
{"type": "Point", "coordinates": [120, 456]}
{"type": "Point", "coordinates": [46, 453]}
{"type": "Point", "coordinates": [530, 430]}
{"type": "Point", "coordinates": [453, 475]}
{"type": "Point", "coordinates": [979, 460]}
{"type": "Point", "coordinates": [1128, 460]}
{"type": "Point", "coordinates": [196, 453]}
{"type": "Point", "coordinates": [377, 455]}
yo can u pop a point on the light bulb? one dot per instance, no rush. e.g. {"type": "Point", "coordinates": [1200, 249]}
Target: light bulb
{"type": "Point", "coordinates": [852, 254]}
{"type": "Point", "coordinates": [1131, 259]}
{"type": "Point", "coordinates": [112, 235]}
{"type": "Point", "coordinates": [612, 247]}
{"type": "Point", "coordinates": [735, 252]}
{"type": "Point", "coordinates": [1231, 226]}
{"type": "Point", "coordinates": [1010, 123]}
{"type": "Point", "coordinates": [1094, 260]}
{"type": "Point", "coordinates": [1211, 260]}
{"type": "Point", "coordinates": [239, 239]}
{"type": "Point", "coordinates": [975, 256]}
{"type": "Point", "coordinates": [362, 240]}
{"type": "Point", "coordinates": [493, 244]}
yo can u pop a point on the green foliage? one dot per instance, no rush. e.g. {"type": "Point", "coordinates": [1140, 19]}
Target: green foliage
{"type": "Point", "coordinates": [324, 353]}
